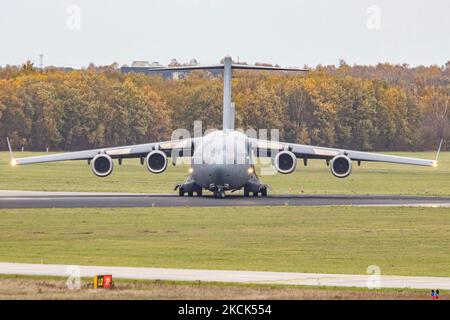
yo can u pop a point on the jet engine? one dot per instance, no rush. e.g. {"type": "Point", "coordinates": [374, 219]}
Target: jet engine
{"type": "Point", "coordinates": [156, 161]}
{"type": "Point", "coordinates": [102, 165]}
{"type": "Point", "coordinates": [285, 162]}
{"type": "Point", "coordinates": [341, 166]}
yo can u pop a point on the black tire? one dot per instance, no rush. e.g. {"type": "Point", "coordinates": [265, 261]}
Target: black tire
{"type": "Point", "coordinates": [199, 193]}
{"type": "Point", "coordinates": [181, 192]}
{"type": "Point", "coordinates": [264, 192]}
{"type": "Point", "coordinates": [190, 194]}
{"type": "Point", "coordinates": [255, 194]}
{"type": "Point", "coordinates": [246, 193]}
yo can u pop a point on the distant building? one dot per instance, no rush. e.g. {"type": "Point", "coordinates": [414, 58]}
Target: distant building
{"type": "Point", "coordinates": [143, 66]}
{"type": "Point", "coordinates": [140, 64]}
{"type": "Point", "coordinates": [156, 64]}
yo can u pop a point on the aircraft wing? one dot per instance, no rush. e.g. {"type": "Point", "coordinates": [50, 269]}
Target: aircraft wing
{"type": "Point", "coordinates": [131, 151]}
{"type": "Point", "coordinates": [267, 148]}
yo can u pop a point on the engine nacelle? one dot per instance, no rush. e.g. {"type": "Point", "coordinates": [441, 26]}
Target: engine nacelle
{"type": "Point", "coordinates": [102, 165]}
{"type": "Point", "coordinates": [341, 166]}
{"type": "Point", "coordinates": [156, 161]}
{"type": "Point", "coordinates": [285, 162]}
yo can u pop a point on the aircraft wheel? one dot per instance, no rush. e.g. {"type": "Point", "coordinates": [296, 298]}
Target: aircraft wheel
{"type": "Point", "coordinates": [190, 194]}
{"type": "Point", "coordinates": [199, 193]}
{"type": "Point", "coordinates": [181, 192]}
{"type": "Point", "coordinates": [246, 193]}
{"type": "Point", "coordinates": [222, 194]}
{"type": "Point", "coordinates": [264, 192]}
{"type": "Point", "coordinates": [255, 194]}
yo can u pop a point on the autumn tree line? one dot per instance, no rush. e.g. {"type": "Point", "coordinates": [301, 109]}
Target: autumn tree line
{"type": "Point", "coordinates": [382, 107]}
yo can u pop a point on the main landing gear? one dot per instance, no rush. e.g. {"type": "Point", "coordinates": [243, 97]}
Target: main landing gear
{"type": "Point", "coordinates": [255, 187]}
{"type": "Point", "coordinates": [182, 192]}
{"type": "Point", "coordinates": [189, 187]}
{"type": "Point", "coordinates": [262, 191]}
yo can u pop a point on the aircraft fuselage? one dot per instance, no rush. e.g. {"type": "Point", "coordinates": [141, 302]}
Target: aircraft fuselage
{"type": "Point", "coordinates": [222, 160]}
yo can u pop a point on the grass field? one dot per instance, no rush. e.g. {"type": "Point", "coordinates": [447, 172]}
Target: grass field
{"type": "Point", "coordinates": [401, 241]}
{"type": "Point", "coordinates": [27, 287]}
{"type": "Point", "coordinates": [370, 178]}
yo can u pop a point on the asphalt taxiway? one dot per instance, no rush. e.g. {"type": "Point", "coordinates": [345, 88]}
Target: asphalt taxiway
{"type": "Point", "coordinates": [32, 199]}
{"type": "Point", "coordinates": [261, 277]}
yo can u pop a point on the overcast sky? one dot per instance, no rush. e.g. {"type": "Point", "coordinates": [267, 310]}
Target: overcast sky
{"type": "Point", "coordinates": [288, 32]}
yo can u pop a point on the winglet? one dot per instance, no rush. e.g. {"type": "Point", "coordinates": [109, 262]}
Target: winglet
{"type": "Point", "coordinates": [437, 154]}
{"type": "Point", "coordinates": [13, 161]}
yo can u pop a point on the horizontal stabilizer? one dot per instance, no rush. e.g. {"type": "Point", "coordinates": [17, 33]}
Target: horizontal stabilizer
{"type": "Point", "coordinates": [221, 66]}
{"type": "Point", "coordinates": [267, 68]}
{"type": "Point", "coordinates": [187, 68]}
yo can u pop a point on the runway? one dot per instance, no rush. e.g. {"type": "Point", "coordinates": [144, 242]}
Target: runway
{"type": "Point", "coordinates": [32, 199]}
{"type": "Point", "coordinates": [251, 277]}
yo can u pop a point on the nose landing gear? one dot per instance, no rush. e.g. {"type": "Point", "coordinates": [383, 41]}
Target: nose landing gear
{"type": "Point", "coordinates": [219, 193]}
{"type": "Point", "coordinates": [219, 190]}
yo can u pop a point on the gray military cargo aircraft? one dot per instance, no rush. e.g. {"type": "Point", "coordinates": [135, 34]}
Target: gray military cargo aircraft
{"type": "Point", "coordinates": [223, 160]}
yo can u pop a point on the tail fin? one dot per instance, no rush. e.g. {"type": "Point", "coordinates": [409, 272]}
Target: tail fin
{"type": "Point", "coordinates": [226, 66]}
{"type": "Point", "coordinates": [228, 114]}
